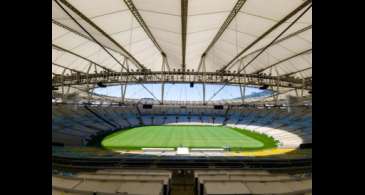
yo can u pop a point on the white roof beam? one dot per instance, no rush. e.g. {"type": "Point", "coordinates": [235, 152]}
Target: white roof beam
{"type": "Point", "coordinates": [97, 28]}
{"type": "Point", "coordinates": [295, 72]}
{"type": "Point", "coordinates": [132, 8]}
{"type": "Point", "coordinates": [237, 7]}
{"type": "Point", "coordinates": [295, 11]}
{"type": "Point", "coordinates": [184, 22]}
{"type": "Point", "coordinates": [276, 42]}
{"type": "Point", "coordinates": [283, 60]}
{"type": "Point", "coordinates": [84, 36]}
{"type": "Point", "coordinates": [79, 56]}
{"type": "Point", "coordinates": [67, 68]}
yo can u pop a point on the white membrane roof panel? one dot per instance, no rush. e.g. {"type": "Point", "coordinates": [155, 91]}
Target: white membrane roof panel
{"type": "Point", "coordinates": [105, 31]}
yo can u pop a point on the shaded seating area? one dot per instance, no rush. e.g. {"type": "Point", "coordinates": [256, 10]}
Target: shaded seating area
{"type": "Point", "coordinates": [136, 182]}
{"type": "Point", "coordinates": [160, 182]}
{"type": "Point", "coordinates": [229, 182]}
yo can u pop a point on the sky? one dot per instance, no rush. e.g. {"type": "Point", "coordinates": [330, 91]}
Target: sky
{"type": "Point", "coordinates": [177, 92]}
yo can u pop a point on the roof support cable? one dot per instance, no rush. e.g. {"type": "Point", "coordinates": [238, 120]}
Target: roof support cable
{"type": "Point", "coordinates": [84, 17]}
{"type": "Point", "coordinates": [98, 29]}
{"type": "Point", "coordinates": [277, 37]}
{"type": "Point", "coordinates": [295, 72]}
{"type": "Point", "coordinates": [237, 7]}
{"type": "Point", "coordinates": [277, 93]}
{"type": "Point", "coordinates": [79, 56]}
{"type": "Point", "coordinates": [276, 42]}
{"type": "Point", "coordinates": [216, 93]}
{"type": "Point", "coordinates": [295, 11]}
{"type": "Point", "coordinates": [83, 36]}
{"type": "Point", "coordinates": [283, 60]}
{"type": "Point", "coordinates": [132, 8]}
{"type": "Point", "coordinates": [64, 67]}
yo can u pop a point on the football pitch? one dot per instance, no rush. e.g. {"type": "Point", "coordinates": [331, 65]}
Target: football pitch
{"type": "Point", "coordinates": [172, 136]}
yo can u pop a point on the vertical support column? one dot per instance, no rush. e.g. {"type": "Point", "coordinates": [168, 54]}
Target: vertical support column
{"type": "Point", "coordinates": [164, 65]}
{"type": "Point", "coordinates": [68, 89]}
{"type": "Point", "coordinates": [91, 91]}
{"type": "Point", "coordinates": [162, 92]}
{"type": "Point", "coordinates": [277, 86]}
{"type": "Point", "coordinates": [203, 93]}
{"type": "Point", "coordinates": [126, 80]}
{"type": "Point", "coordinates": [95, 69]}
{"type": "Point", "coordinates": [239, 80]}
{"type": "Point", "coordinates": [121, 83]}
{"type": "Point", "coordinates": [204, 71]}
{"type": "Point", "coordinates": [243, 91]}
{"type": "Point", "coordinates": [63, 82]}
{"type": "Point", "coordinates": [303, 85]}
{"type": "Point", "coordinates": [88, 82]}
{"type": "Point", "coordinates": [68, 86]}
{"type": "Point", "coordinates": [93, 87]}
{"type": "Point", "coordinates": [99, 76]}
{"type": "Point", "coordinates": [272, 83]}
{"type": "Point", "coordinates": [122, 91]}
{"type": "Point", "coordinates": [242, 94]}
{"type": "Point", "coordinates": [125, 89]}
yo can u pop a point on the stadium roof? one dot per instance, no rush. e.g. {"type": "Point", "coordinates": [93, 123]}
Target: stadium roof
{"type": "Point", "coordinates": [247, 36]}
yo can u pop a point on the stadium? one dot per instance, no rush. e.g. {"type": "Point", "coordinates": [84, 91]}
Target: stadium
{"type": "Point", "coordinates": [175, 97]}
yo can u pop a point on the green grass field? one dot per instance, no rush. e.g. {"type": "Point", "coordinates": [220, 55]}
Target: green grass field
{"type": "Point", "coordinates": [172, 136]}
